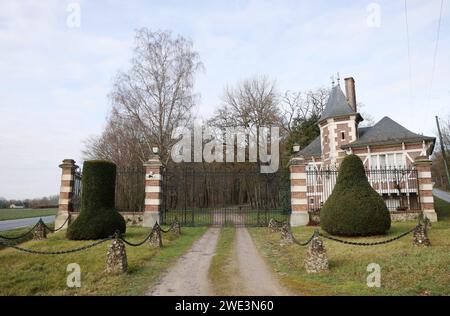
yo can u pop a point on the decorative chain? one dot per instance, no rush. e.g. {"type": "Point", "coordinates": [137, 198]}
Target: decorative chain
{"type": "Point", "coordinates": [368, 243]}
{"type": "Point", "coordinates": [53, 230]}
{"type": "Point", "coordinates": [139, 243]}
{"type": "Point", "coordinates": [154, 229]}
{"type": "Point", "coordinates": [168, 229]}
{"type": "Point", "coordinates": [21, 236]}
{"type": "Point", "coordinates": [62, 252]}
{"type": "Point", "coordinates": [305, 243]}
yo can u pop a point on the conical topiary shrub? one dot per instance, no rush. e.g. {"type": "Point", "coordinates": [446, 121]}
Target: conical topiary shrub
{"type": "Point", "coordinates": [98, 217]}
{"type": "Point", "coordinates": [354, 207]}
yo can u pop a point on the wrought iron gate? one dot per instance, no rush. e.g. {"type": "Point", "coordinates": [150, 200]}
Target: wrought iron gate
{"type": "Point", "coordinates": [198, 197]}
{"type": "Point", "coordinates": [399, 187]}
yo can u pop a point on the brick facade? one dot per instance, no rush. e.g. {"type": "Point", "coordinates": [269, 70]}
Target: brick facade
{"type": "Point", "coordinates": [153, 191]}
{"type": "Point", "coordinates": [299, 202]}
{"type": "Point", "coordinates": [423, 166]}
{"type": "Point", "coordinates": [68, 168]}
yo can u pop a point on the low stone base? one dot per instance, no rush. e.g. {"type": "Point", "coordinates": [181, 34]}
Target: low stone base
{"type": "Point", "coordinates": [150, 219]}
{"type": "Point", "coordinates": [40, 232]}
{"type": "Point", "coordinates": [156, 238]}
{"type": "Point", "coordinates": [274, 225]}
{"type": "Point", "coordinates": [299, 219]}
{"type": "Point", "coordinates": [420, 233]}
{"type": "Point", "coordinates": [431, 215]}
{"type": "Point", "coordinates": [116, 259]}
{"type": "Point", "coordinates": [403, 216]}
{"type": "Point", "coordinates": [286, 235]}
{"type": "Point", "coordinates": [316, 259]}
{"type": "Point", "coordinates": [176, 228]}
{"type": "Point", "coordinates": [61, 219]}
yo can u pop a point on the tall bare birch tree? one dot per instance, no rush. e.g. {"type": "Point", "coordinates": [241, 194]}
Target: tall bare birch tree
{"type": "Point", "coordinates": [156, 94]}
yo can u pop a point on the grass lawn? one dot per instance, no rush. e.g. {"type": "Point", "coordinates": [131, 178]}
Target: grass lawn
{"type": "Point", "coordinates": [29, 274]}
{"type": "Point", "coordinates": [222, 264]}
{"type": "Point", "coordinates": [226, 216]}
{"type": "Point", "coordinates": [405, 269]}
{"type": "Point", "coordinates": [7, 214]}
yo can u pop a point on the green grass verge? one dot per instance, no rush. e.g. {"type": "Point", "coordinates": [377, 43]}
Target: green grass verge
{"type": "Point", "coordinates": [7, 214]}
{"type": "Point", "coordinates": [29, 274]}
{"type": "Point", "coordinates": [226, 216]}
{"type": "Point", "coordinates": [405, 269]}
{"type": "Point", "coordinates": [223, 266]}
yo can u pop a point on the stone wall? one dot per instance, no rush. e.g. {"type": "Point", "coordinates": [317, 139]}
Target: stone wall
{"type": "Point", "coordinates": [132, 219]}
{"type": "Point", "coordinates": [404, 216]}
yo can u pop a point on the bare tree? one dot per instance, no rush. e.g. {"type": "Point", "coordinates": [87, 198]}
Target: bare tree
{"type": "Point", "coordinates": [251, 103]}
{"type": "Point", "coordinates": [298, 106]}
{"type": "Point", "coordinates": [156, 94]}
{"type": "Point", "coordinates": [120, 142]}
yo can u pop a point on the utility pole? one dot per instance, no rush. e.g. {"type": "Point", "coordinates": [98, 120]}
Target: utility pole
{"type": "Point", "coordinates": [444, 155]}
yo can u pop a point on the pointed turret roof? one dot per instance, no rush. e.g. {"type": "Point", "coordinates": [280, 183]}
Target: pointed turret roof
{"type": "Point", "coordinates": [337, 105]}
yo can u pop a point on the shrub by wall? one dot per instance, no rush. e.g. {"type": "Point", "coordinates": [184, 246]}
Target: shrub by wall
{"type": "Point", "coordinates": [98, 217]}
{"type": "Point", "coordinates": [354, 207]}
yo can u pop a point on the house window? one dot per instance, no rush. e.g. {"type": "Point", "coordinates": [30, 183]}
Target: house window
{"type": "Point", "coordinates": [382, 161]}
{"type": "Point", "coordinates": [394, 160]}
{"type": "Point", "coordinates": [342, 135]}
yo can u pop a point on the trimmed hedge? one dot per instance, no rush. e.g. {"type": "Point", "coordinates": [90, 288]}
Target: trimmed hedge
{"type": "Point", "coordinates": [354, 207]}
{"type": "Point", "coordinates": [98, 217]}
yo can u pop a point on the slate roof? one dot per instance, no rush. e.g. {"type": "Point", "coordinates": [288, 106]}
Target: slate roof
{"type": "Point", "coordinates": [386, 132]}
{"type": "Point", "coordinates": [313, 149]}
{"type": "Point", "coordinates": [337, 105]}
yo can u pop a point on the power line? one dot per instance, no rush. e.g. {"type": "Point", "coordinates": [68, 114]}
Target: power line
{"type": "Point", "coordinates": [433, 69]}
{"type": "Point", "coordinates": [409, 49]}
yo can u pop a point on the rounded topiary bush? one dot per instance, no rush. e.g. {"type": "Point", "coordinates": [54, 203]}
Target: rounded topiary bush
{"type": "Point", "coordinates": [98, 217]}
{"type": "Point", "coordinates": [354, 208]}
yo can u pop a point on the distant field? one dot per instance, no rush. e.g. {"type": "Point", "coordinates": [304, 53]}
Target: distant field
{"type": "Point", "coordinates": [6, 214]}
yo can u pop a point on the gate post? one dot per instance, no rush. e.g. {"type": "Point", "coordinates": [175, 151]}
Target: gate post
{"type": "Point", "coordinates": [299, 201]}
{"type": "Point", "coordinates": [425, 190]}
{"type": "Point", "coordinates": [68, 167]}
{"type": "Point", "coordinates": [153, 194]}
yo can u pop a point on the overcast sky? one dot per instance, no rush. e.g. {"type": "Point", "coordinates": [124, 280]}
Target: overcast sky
{"type": "Point", "coordinates": [55, 77]}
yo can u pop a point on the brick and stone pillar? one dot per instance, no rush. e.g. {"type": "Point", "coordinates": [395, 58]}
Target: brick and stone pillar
{"type": "Point", "coordinates": [423, 166]}
{"type": "Point", "coordinates": [153, 191]}
{"type": "Point", "coordinates": [68, 167]}
{"type": "Point", "coordinates": [299, 201]}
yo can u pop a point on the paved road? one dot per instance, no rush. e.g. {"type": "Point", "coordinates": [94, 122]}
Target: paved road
{"type": "Point", "coordinates": [23, 222]}
{"type": "Point", "coordinates": [443, 195]}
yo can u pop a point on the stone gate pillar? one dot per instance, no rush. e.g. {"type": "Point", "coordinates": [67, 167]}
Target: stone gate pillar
{"type": "Point", "coordinates": [423, 166]}
{"type": "Point", "coordinates": [153, 192]}
{"type": "Point", "coordinates": [68, 167]}
{"type": "Point", "coordinates": [299, 201]}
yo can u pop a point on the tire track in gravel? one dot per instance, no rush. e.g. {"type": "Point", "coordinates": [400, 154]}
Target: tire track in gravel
{"type": "Point", "coordinates": [189, 276]}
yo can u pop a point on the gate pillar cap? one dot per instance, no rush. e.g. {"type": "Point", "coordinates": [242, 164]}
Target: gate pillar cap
{"type": "Point", "coordinates": [153, 161]}
{"type": "Point", "coordinates": [422, 160]}
{"type": "Point", "coordinates": [68, 163]}
{"type": "Point", "coordinates": [297, 160]}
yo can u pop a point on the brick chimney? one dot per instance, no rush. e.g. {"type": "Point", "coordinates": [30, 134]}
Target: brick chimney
{"type": "Point", "coordinates": [350, 92]}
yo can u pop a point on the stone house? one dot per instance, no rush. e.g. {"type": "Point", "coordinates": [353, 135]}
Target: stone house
{"type": "Point", "coordinates": [388, 151]}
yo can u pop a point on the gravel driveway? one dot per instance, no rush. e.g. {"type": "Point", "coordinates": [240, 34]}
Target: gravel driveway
{"type": "Point", "coordinates": [190, 275]}
{"type": "Point", "coordinates": [255, 277]}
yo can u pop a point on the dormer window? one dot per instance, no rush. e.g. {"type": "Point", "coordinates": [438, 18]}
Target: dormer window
{"type": "Point", "coordinates": [343, 135]}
